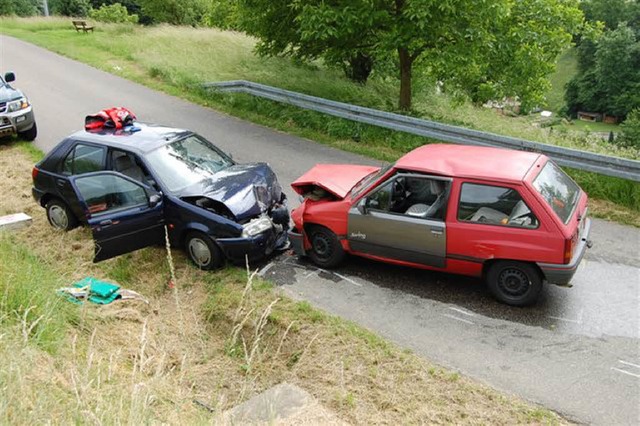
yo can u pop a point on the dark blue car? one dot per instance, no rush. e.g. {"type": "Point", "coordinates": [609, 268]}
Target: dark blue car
{"type": "Point", "coordinates": [126, 185]}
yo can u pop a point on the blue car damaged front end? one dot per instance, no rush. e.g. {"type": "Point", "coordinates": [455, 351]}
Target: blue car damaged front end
{"type": "Point", "coordinates": [243, 209]}
{"type": "Point", "coordinates": [260, 237]}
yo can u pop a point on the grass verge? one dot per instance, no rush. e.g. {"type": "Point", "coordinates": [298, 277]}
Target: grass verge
{"type": "Point", "coordinates": [216, 338]}
{"type": "Point", "coordinates": [176, 60]}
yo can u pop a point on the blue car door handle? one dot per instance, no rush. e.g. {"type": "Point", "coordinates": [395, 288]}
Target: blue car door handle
{"type": "Point", "coordinates": [106, 222]}
{"type": "Point", "coordinates": [60, 182]}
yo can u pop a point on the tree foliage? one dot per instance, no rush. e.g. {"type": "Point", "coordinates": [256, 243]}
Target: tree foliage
{"type": "Point", "coordinates": [486, 47]}
{"type": "Point", "coordinates": [20, 7]}
{"type": "Point", "coordinates": [77, 8]}
{"type": "Point", "coordinates": [608, 78]}
{"type": "Point", "coordinates": [612, 12]}
{"type": "Point", "coordinates": [133, 8]}
{"type": "Point", "coordinates": [308, 30]}
{"type": "Point", "coordinates": [222, 14]}
{"type": "Point", "coordinates": [630, 130]}
{"type": "Point", "coordinates": [518, 54]}
{"type": "Point", "coordinates": [175, 12]}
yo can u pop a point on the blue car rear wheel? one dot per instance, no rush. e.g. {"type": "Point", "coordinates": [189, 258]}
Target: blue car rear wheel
{"type": "Point", "coordinates": [60, 216]}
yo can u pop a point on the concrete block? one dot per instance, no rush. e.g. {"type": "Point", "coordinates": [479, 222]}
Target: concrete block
{"type": "Point", "coordinates": [283, 404]}
{"type": "Point", "coordinates": [14, 221]}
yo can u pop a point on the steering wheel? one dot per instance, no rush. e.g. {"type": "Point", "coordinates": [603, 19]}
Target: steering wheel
{"type": "Point", "coordinates": [398, 194]}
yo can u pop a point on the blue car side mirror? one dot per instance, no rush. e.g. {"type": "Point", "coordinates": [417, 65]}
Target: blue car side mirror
{"type": "Point", "coordinates": [154, 199]}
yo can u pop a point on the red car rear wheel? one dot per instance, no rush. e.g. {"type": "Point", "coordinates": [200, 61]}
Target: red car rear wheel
{"type": "Point", "coordinates": [514, 283]}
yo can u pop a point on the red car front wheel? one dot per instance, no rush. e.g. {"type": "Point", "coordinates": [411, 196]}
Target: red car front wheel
{"type": "Point", "coordinates": [326, 251]}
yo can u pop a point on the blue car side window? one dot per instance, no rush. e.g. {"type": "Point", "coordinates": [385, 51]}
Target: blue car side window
{"type": "Point", "coordinates": [84, 159]}
{"type": "Point", "coordinates": [107, 193]}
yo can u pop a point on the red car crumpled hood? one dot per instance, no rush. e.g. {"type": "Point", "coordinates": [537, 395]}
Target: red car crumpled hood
{"type": "Point", "coordinates": [338, 179]}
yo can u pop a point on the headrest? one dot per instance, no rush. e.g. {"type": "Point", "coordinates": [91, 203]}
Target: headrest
{"type": "Point", "coordinates": [437, 187]}
{"type": "Point", "coordinates": [123, 162]}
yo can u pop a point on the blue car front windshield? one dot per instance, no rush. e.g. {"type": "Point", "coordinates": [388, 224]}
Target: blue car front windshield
{"type": "Point", "coordinates": [187, 161]}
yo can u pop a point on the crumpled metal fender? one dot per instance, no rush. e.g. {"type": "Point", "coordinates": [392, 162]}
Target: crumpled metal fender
{"type": "Point", "coordinates": [330, 214]}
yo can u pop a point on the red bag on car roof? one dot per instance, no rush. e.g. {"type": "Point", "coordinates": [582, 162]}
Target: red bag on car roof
{"type": "Point", "coordinates": [115, 118]}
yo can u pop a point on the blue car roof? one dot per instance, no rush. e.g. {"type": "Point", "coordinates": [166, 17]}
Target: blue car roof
{"type": "Point", "coordinates": [147, 138]}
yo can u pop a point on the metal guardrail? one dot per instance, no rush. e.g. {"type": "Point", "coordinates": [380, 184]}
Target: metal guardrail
{"type": "Point", "coordinates": [602, 164]}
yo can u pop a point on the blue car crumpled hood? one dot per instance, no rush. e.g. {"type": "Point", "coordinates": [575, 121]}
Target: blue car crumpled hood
{"type": "Point", "coordinates": [247, 190]}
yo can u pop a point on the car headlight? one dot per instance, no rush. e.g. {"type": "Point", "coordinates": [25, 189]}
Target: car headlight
{"type": "Point", "coordinates": [17, 105]}
{"type": "Point", "coordinates": [256, 226]}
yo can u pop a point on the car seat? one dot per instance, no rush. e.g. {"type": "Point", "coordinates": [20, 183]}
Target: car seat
{"type": "Point", "coordinates": [127, 166]}
{"type": "Point", "coordinates": [424, 210]}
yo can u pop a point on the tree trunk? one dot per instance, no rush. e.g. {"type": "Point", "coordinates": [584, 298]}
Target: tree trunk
{"type": "Point", "coordinates": [406, 63]}
{"type": "Point", "coordinates": [359, 68]}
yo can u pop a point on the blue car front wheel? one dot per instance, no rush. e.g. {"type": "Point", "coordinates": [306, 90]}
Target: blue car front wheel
{"type": "Point", "coordinates": [202, 251]}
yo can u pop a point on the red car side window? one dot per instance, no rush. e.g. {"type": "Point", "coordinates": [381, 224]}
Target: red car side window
{"type": "Point", "coordinates": [494, 205]}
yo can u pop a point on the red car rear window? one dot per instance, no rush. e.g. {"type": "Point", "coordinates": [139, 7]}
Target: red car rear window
{"type": "Point", "coordinates": [558, 190]}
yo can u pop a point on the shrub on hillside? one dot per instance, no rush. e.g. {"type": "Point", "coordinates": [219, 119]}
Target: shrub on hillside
{"type": "Point", "coordinates": [115, 13]}
{"type": "Point", "coordinates": [20, 7]}
{"type": "Point", "coordinates": [175, 12]}
{"type": "Point", "coordinates": [630, 130]}
{"type": "Point", "coordinates": [78, 8]}
{"type": "Point", "coordinates": [222, 14]}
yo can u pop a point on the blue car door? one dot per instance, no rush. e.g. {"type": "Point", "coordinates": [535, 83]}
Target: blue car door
{"type": "Point", "coordinates": [124, 215]}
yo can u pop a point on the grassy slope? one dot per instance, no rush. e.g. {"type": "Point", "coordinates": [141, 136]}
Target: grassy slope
{"type": "Point", "coordinates": [142, 363]}
{"type": "Point", "coordinates": [565, 70]}
{"type": "Point", "coordinates": [567, 67]}
{"type": "Point", "coordinates": [177, 59]}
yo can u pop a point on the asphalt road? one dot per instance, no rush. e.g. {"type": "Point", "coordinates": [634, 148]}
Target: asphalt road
{"type": "Point", "coordinates": [575, 352]}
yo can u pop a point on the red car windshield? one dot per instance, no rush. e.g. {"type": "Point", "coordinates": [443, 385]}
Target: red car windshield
{"type": "Point", "coordinates": [364, 183]}
{"type": "Point", "coordinates": [558, 190]}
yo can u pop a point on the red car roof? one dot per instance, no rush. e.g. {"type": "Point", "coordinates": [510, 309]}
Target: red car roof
{"type": "Point", "coordinates": [469, 161]}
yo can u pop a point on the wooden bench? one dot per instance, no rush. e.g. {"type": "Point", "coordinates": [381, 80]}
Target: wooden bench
{"type": "Point", "coordinates": [82, 25]}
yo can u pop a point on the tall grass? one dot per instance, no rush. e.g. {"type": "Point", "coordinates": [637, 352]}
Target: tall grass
{"type": "Point", "coordinates": [28, 301]}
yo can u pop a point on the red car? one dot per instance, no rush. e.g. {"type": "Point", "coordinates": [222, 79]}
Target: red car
{"type": "Point", "coordinates": [512, 217]}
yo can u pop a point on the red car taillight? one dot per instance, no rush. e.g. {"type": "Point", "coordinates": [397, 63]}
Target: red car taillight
{"type": "Point", "coordinates": [568, 250]}
{"type": "Point", "coordinates": [569, 246]}
{"type": "Point", "coordinates": [34, 173]}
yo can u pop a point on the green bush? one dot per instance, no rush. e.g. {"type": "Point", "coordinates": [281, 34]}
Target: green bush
{"type": "Point", "coordinates": [78, 8]}
{"type": "Point", "coordinates": [115, 13]}
{"type": "Point", "coordinates": [175, 12]}
{"type": "Point", "coordinates": [222, 14]}
{"type": "Point", "coordinates": [20, 7]}
{"type": "Point", "coordinates": [630, 130]}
